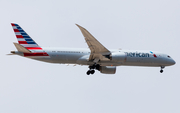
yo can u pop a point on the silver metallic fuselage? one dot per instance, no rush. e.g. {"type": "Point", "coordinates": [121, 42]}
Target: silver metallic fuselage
{"type": "Point", "coordinates": [80, 56]}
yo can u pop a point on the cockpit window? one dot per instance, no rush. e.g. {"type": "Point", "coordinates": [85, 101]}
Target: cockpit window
{"type": "Point", "coordinates": [169, 56]}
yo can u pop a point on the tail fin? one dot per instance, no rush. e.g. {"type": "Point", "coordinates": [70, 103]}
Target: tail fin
{"type": "Point", "coordinates": [24, 39]}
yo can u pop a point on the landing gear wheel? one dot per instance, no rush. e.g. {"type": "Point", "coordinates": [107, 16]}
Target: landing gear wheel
{"type": "Point", "coordinates": [162, 67]}
{"type": "Point", "coordinates": [92, 72]}
{"type": "Point", "coordinates": [88, 72]}
{"type": "Point", "coordinates": [161, 71]}
{"type": "Point", "coordinates": [92, 69]}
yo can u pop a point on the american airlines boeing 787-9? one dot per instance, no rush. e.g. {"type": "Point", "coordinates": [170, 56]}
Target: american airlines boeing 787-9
{"type": "Point", "coordinates": [97, 57]}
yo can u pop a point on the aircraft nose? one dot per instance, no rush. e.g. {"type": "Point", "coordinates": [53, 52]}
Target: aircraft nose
{"type": "Point", "coordinates": [172, 62]}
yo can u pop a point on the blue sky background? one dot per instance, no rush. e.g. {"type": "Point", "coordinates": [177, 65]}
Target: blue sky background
{"type": "Point", "coordinates": [29, 86]}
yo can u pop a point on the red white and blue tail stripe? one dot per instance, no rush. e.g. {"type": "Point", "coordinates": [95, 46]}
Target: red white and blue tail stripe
{"type": "Point", "coordinates": [24, 39]}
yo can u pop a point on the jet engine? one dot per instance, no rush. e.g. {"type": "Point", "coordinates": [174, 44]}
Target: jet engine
{"type": "Point", "coordinates": [107, 69]}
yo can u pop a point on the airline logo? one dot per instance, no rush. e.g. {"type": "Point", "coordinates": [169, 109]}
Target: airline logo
{"type": "Point", "coordinates": [153, 54]}
{"type": "Point", "coordinates": [26, 41]}
{"type": "Point", "coordinates": [131, 54]}
{"type": "Point", "coordinates": [136, 54]}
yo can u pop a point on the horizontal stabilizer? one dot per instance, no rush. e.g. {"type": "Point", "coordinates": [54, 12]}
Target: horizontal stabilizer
{"type": "Point", "coordinates": [10, 54]}
{"type": "Point", "coordinates": [20, 48]}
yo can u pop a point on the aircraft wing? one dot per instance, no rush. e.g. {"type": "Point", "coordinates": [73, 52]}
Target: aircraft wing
{"type": "Point", "coordinates": [98, 51]}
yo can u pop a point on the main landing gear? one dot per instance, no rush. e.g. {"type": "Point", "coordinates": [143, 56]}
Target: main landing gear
{"type": "Point", "coordinates": [162, 67]}
{"type": "Point", "coordinates": [92, 69]}
{"type": "Point", "coordinates": [90, 72]}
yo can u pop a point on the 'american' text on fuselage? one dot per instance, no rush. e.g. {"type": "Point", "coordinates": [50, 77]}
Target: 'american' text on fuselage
{"type": "Point", "coordinates": [130, 54]}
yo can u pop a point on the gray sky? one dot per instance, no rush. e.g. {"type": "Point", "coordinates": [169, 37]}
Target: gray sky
{"type": "Point", "coordinates": [29, 86]}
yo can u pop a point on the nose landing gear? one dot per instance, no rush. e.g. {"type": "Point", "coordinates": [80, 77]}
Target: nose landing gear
{"type": "Point", "coordinates": [162, 67]}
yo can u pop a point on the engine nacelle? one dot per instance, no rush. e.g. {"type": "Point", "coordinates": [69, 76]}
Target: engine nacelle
{"type": "Point", "coordinates": [118, 56]}
{"type": "Point", "coordinates": [107, 69]}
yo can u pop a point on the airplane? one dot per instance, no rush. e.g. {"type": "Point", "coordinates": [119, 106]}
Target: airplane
{"type": "Point", "coordinates": [97, 57]}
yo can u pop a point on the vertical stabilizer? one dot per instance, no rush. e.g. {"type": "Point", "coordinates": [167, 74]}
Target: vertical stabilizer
{"type": "Point", "coordinates": [24, 39]}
